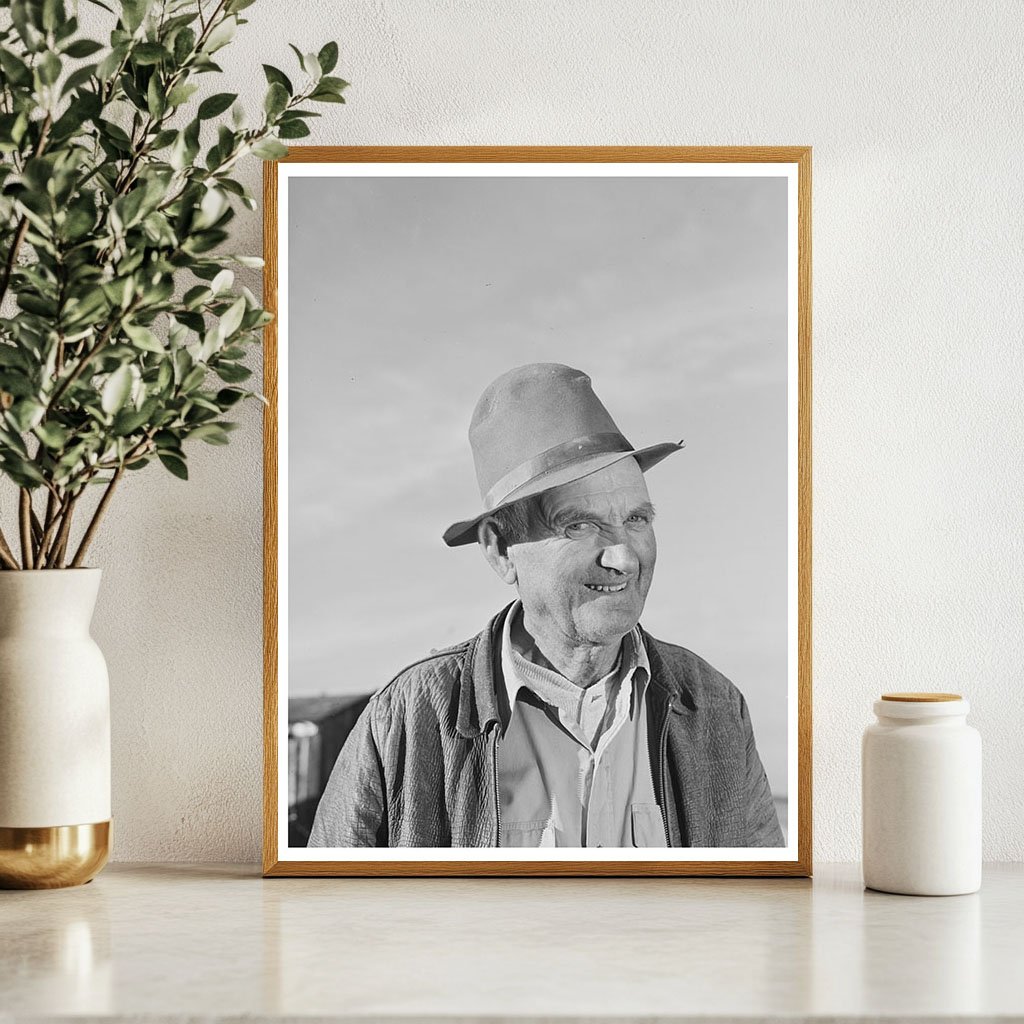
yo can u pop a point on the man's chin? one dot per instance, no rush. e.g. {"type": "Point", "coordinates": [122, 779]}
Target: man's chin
{"type": "Point", "coordinates": [607, 627]}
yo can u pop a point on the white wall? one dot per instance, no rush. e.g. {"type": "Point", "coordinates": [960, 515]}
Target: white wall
{"type": "Point", "coordinates": [914, 113]}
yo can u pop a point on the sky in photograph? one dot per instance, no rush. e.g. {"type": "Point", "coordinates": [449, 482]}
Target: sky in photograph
{"type": "Point", "coordinates": [408, 295]}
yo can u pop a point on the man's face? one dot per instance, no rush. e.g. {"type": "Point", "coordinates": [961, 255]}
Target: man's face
{"type": "Point", "coordinates": [587, 566]}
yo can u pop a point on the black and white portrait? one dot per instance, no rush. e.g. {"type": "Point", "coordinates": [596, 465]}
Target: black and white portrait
{"type": "Point", "coordinates": [537, 529]}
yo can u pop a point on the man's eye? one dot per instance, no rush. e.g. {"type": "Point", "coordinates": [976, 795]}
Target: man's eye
{"type": "Point", "coordinates": [580, 528]}
{"type": "Point", "coordinates": [639, 519]}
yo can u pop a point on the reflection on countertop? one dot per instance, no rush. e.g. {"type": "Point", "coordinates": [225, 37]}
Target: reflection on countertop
{"type": "Point", "coordinates": [176, 941]}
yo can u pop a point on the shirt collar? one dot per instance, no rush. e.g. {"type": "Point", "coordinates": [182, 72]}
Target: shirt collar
{"type": "Point", "coordinates": [633, 666]}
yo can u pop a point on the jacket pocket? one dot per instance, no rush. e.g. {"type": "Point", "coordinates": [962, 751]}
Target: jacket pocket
{"type": "Point", "coordinates": [648, 825]}
{"type": "Point", "coordinates": [528, 834]}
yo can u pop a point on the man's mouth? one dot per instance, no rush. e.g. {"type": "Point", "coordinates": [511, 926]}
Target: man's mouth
{"type": "Point", "coordinates": [606, 588]}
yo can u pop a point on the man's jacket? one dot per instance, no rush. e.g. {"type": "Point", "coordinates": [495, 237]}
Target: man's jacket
{"type": "Point", "coordinates": [420, 766]}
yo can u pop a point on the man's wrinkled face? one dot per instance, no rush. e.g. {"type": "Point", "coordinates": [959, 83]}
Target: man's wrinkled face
{"type": "Point", "coordinates": [587, 566]}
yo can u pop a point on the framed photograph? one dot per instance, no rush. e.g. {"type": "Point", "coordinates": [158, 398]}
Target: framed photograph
{"type": "Point", "coordinates": [538, 511]}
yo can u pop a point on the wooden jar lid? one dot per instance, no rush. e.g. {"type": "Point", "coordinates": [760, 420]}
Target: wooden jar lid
{"type": "Point", "coordinates": [920, 698]}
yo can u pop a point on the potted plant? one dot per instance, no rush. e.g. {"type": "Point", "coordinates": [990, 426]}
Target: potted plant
{"type": "Point", "coordinates": [122, 339]}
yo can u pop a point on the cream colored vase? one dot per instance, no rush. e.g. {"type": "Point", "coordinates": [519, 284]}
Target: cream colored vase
{"type": "Point", "coordinates": [54, 731]}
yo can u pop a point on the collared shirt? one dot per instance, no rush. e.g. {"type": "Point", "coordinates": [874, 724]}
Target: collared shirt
{"type": "Point", "coordinates": [573, 762]}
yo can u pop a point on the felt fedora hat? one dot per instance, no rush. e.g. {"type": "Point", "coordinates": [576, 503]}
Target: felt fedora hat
{"type": "Point", "coordinates": [537, 427]}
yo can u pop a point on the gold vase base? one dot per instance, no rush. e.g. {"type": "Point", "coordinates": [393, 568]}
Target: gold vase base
{"type": "Point", "coordinates": [54, 857]}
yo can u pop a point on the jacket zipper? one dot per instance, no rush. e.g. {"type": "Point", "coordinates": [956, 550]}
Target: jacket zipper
{"type": "Point", "coordinates": [497, 795]}
{"type": "Point", "coordinates": [664, 777]}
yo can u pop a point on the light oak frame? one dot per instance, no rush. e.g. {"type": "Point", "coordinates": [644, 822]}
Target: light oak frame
{"type": "Point", "coordinates": [800, 155]}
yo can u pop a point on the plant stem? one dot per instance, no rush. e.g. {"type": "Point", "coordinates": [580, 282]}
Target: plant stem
{"type": "Point", "coordinates": [19, 234]}
{"type": "Point", "coordinates": [60, 544]}
{"type": "Point", "coordinates": [25, 521]}
{"type": "Point", "coordinates": [97, 516]}
{"type": "Point", "coordinates": [12, 255]}
{"type": "Point", "coordinates": [87, 357]}
{"type": "Point", "coordinates": [6, 555]}
{"type": "Point", "coordinates": [53, 509]}
{"type": "Point", "coordinates": [37, 529]}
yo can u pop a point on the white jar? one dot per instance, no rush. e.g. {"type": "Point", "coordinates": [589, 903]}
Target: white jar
{"type": "Point", "coordinates": [921, 789]}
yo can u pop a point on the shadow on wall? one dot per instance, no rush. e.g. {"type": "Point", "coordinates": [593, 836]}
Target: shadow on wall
{"type": "Point", "coordinates": [317, 730]}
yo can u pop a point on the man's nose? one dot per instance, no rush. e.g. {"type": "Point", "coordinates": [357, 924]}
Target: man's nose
{"type": "Point", "coordinates": [620, 557]}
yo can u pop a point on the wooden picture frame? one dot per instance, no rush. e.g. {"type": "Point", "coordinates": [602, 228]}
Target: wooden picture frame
{"type": "Point", "coordinates": [789, 162]}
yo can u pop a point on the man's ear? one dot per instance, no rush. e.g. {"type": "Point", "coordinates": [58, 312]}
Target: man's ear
{"type": "Point", "coordinates": [496, 551]}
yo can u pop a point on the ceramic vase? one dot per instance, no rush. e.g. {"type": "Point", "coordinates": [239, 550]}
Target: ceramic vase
{"type": "Point", "coordinates": [54, 731]}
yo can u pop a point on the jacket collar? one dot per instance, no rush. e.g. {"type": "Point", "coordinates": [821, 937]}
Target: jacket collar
{"type": "Point", "coordinates": [664, 678]}
{"type": "Point", "coordinates": [478, 704]}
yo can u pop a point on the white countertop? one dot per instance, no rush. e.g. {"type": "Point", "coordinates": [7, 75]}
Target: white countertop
{"type": "Point", "coordinates": [176, 941]}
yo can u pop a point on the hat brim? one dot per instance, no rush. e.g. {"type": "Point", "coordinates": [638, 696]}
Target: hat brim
{"type": "Point", "coordinates": [465, 531]}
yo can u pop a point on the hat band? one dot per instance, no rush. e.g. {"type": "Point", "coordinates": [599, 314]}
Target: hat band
{"type": "Point", "coordinates": [554, 458]}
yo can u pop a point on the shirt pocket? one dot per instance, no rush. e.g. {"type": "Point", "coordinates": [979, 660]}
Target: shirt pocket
{"type": "Point", "coordinates": [528, 834]}
{"type": "Point", "coordinates": [648, 826]}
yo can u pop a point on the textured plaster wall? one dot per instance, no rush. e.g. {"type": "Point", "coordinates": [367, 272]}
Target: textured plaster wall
{"type": "Point", "coordinates": [914, 113]}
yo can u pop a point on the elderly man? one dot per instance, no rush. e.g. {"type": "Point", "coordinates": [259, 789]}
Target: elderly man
{"type": "Point", "coordinates": [563, 723]}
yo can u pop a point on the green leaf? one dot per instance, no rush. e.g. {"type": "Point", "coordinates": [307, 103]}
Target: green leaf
{"type": "Point", "coordinates": [234, 6]}
{"type": "Point", "coordinates": [232, 373]}
{"type": "Point", "coordinates": [311, 66]}
{"type": "Point", "coordinates": [269, 149]}
{"type": "Point", "coordinates": [109, 65]}
{"type": "Point", "coordinates": [128, 421]}
{"type": "Point", "coordinates": [181, 93]}
{"type": "Point", "coordinates": [144, 338]}
{"type": "Point", "coordinates": [11, 355]}
{"type": "Point", "coordinates": [193, 379]}
{"type": "Point", "coordinates": [232, 319]}
{"type": "Point", "coordinates": [328, 57]}
{"type": "Point", "coordinates": [49, 68]}
{"type": "Point", "coordinates": [334, 84]}
{"type": "Point", "coordinates": [221, 35]}
{"type": "Point", "coordinates": [11, 440]}
{"type": "Point", "coordinates": [326, 96]}
{"type": "Point", "coordinates": [175, 464]}
{"type": "Point", "coordinates": [211, 433]}
{"type": "Point", "coordinates": [78, 222]}
{"type": "Point", "coordinates": [227, 397]}
{"type": "Point", "coordinates": [149, 53]}
{"type": "Point", "coordinates": [278, 77]}
{"type": "Point", "coordinates": [116, 390]}
{"type": "Point", "coordinates": [14, 68]}
{"type": "Point", "coordinates": [27, 23]}
{"type": "Point", "coordinates": [26, 414]}
{"type": "Point", "coordinates": [196, 296]}
{"type": "Point", "coordinates": [256, 262]}
{"type": "Point", "coordinates": [78, 78]}
{"type": "Point", "coordinates": [216, 104]}
{"type": "Point", "coordinates": [53, 435]}
{"type": "Point", "coordinates": [83, 48]}
{"type": "Point", "coordinates": [162, 139]}
{"type": "Point", "coordinates": [293, 130]}
{"type": "Point", "coordinates": [184, 44]}
{"type": "Point", "coordinates": [133, 13]}
{"type": "Point", "coordinates": [156, 99]}
{"type": "Point", "coordinates": [129, 207]}
{"type": "Point", "coordinates": [35, 304]}
{"type": "Point", "coordinates": [21, 471]}
{"type": "Point", "coordinates": [53, 14]}
{"type": "Point", "coordinates": [276, 100]}
{"type": "Point", "coordinates": [164, 375]}
{"type": "Point", "coordinates": [116, 134]}
{"type": "Point", "coordinates": [222, 282]}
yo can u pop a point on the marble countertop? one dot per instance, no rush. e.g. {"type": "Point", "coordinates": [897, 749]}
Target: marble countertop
{"type": "Point", "coordinates": [179, 941]}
